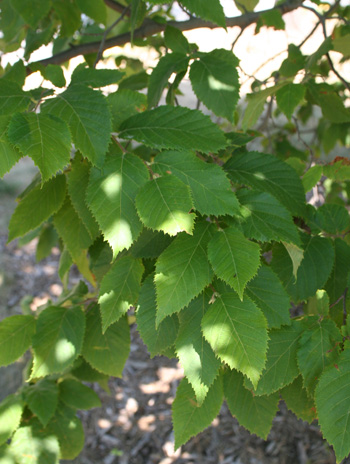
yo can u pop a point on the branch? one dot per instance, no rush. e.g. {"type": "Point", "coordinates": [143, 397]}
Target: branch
{"type": "Point", "coordinates": [116, 6]}
{"type": "Point", "coordinates": [150, 27]}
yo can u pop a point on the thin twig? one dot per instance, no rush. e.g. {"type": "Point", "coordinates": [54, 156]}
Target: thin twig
{"type": "Point", "coordinates": [310, 150]}
{"type": "Point", "coordinates": [116, 141]}
{"type": "Point", "coordinates": [116, 6]}
{"type": "Point", "coordinates": [237, 38]}
{"type": "Point", "coordinates": [340, 298]}
{"type": "Point", "coordinates": [106, 32]}
{"type": "Point", "coordinates": [150, 27]}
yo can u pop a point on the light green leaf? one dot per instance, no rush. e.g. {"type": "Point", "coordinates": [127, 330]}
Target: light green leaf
{"type": "Point", "coordinates": [256, 103]}
{"type": "Point", "coordinates": [190, 418]}
{"type": "Point", "coordinates": [106, 352]}
{"type": "Point", "coordinates": [311, 177]}
{"type": "Point", "coordinates": [210, 188]}
{"type": "Point", "coordinates": [175, 40]}
{"type": "Point", "coordinates": [160, 339]}
{"type": "Point", "coordinates": [281, 365]}
{"type": "Point", "coordinates": [265, 218]}
{"type": "Point", "coordinates": [32, 445]}
{"type": "Point", "coordinates": [58, 339]}
{"type": "Point", "coordinates": [76, 395]}
{"type": "Point", "coordinates": [174, 127]}
{"type": "Point", "coordinates": [246, 5]}
{"type": "Point", "coordinates": [296, 254]}
{"type": "Point", "coordinates": [234, 258]}
{"type": "Point", "coordinates": [45, 138]}
{"type": "Point", "coordinates": [95, 9]}
{"type": "Point", "coordinates": [214, 79]}
{"type": "Point", "coordinates": [123, 104]}
{"type": "Point", "coordinates": [37, 206]}
{"type": "Point", "coordinates": [333, 407]}
{"type": "Point", "coordinates": [111, 194]}
{"type": "Point", "coordinates": [212, 11]}
{"type": "Point", "coordinates": [319, 348]}
{"type": "Point", "coordinates": [166, 66]}
{"type": "Point", "coordinates": [237, 332]}
{"type": "Point", "coordinates": [342, 44]}
{"type": "Point", "coordinates": [9, 155]}
{"type": "Point", "coordinates": [11, 409]}
{"type": "Point", "coordinates": [164, 204]}
{"type": "Point", "coordinates": [42, 399]}
{"type": "Point", "coordinates": [69, 431]}
{"type": "Point", "coordinates": [196, 356]}
{"type": "Point", "coordinates": [289, 97]}
{"type": "Point", "coordinates": [87, 113]}
{"type": "Point", "coordinates": [15, 337]}
{"type": "Point", "coordinates": [32, 12]}
{"type": "Point", "coordinates": [78, 180]}
{"type": "Point", "coordinates": [268, 294]}
{"type": "Point", "coordinates": [185, 260]}
{"type": "Point", "coordinates": [318, 305]}
{"type": "Point", "coordinates": [267, 173]}
{"type": "Point", "coordinates": [298, 401]}
{"type": "Point", "coordinates": [313, 272]}
{"type": "Point", "coordinates": [95, 77]}
{"type": "Point", "coordinates": [119, 289]}
{"type": "Point", "coordinates": [255, 413]}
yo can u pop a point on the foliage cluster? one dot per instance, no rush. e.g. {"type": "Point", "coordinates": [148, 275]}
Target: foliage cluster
{"type": "Point", "coordinates": [171, 215]}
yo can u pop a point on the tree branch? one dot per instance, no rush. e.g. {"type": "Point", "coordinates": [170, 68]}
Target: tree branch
{"type": "Point", "coordinates": [116, 6]}
{"type": "Point", "coordinates": [150, 27]}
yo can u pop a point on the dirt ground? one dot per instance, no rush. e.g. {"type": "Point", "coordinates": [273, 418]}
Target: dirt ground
{"type": "Point", "coordinates": [134, 424]}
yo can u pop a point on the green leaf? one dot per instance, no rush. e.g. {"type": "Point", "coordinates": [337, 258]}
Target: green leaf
{"type": "Point", "coordinates": [267, 173]}
{"type": "Point", "coordinates": [164, 204]}
{"type": "Point", "coordinates": [212, 11]}
{"type": "Point", "coordinates": [210, 188]}
{"type": "Point", "coordinates": [296, 254]}
{"type": "Point", "coordinates": [255, 413]}
{"type": "Point", "coordinates": [298, 401]}
{"type": "Point", "coordinates": [324, 48]}
{"type": "Point", "coordinates": [150, 244]}
{"type": "Point", "coordinates": [333, 219]}
{"type": "Point", "coordinates": [337, 282]}
{"type": "Point", "coordinates": [214, 80]}
{"type": "Point", "coordinates": [15, 337]}
{"type": "Point", "coordinates": [330, 102]}
{"type": "Point", "coordinates": [69, 15]}
{"type": "Point", "coordinates": [11, 409]}
{"type": "Point", "coordinates": [45, 138]}
{"type": "Point", "coordinates": [156, 340]}
{"type": "Point", "coordinates": [234, 258]}
{"type": "Point", "coordinates": [106, 352]}
{"type": "Point", "coordinates": [228, 326]}
{"type": "Point", "coordinates": [42, 398]}
{"type": "Point", "coordinates": [271, 18]}
{"type": "Point", "coordinates": [32, 12]}
{"type": "Point", "coordinates": [256, 103]}
{"type": "Point", "coordinates": [78, 180]}
{"type": "Point", "coordinates": [196, 356]}
{"type": "Point", "coordinates": [69, 431]}
{"type": "Point", "coordinates": [95, 9]}
{"type": "Point", "coordinates": [341, 44]}
{"type": "Point", "coordinates": [58, 340]}
{"type": "Point", "coordinates": [95, 77]}
{"type": "Point", "coordinates": [9, 155]}
{"type": "Point", "coordinates": [119, 289]}
{"type": "Point", "coordinates": [332, 402]}
{"type": "Point", "coordinates": [294, 63]}
{"type": "Point", "coordinates": [166, 66]}
{"type": "Point", "coordinates": [311, 177]}
{"type": "Point", "coordinates": [54, 73]}
{"type": "Point", "coordinates": [71, 229]}
{"type": "Point", "coordinates": [318, 305]}
{"type": "Point", "coordinates": [190, 418]}
{"type": "Point", "coordinates": [123, 104]}
{"type": "Point", "coordinates": [87, 113]}
{"type": "Point", "coordinates": [76, 395]}
{"type": "Point", "coordinates": [313, 272]}
{"type": "Point", "coordinates": [31, 445]}
{"type": "Point", "coordinates": [265, 218]}
{"type": "Point", "coordinates": [48, 238]}
{"type": "Point", "coordinates": [246, 5]}
{"type": "Point", "coordinates": [175, 40]}
{"type": "Point", "coordinates": [268, 294]}
{"type": "Point", "coordinates": [319, 348]}
{"type": "Point", "coordinates": [185, 260]}
{"type": "Point", "coordinates": [111, 196]}
{"type": "Point", "coordinates": [289, 97]}
{"type": "Point", "coordinates": [281, 365]}
{"type": "Point", "coordinates": [28, 216]}
{"type": "Point", "coordinates": [12, 98]}
{"type": "Point", "coordinates": [174, 127]}
{"type": "Point", "coordinates": [82, 370]}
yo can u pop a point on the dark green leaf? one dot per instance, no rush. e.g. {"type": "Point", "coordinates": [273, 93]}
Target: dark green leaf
{"type": "Point", "coordinates": [76, 395]}
{"type": "Point", "coordinates": [15, 337]}
{"type": "Point", "coordinates": [42, 398]}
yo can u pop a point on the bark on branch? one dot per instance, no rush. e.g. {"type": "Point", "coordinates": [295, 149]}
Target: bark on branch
{"type": "Point", "coordinates": [150, 27]}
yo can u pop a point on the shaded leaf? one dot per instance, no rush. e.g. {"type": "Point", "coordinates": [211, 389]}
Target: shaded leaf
{"type": "Point", "coordinates": [289, 97]}
{"type": "Point", "coordinates": [42, 398]}
{"type": "Point", "coordinates": [298, 401]}
{"type": "Point", "coordinates": [76, 395]}
{"type": "Point", "coordinates": [15, 337]}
